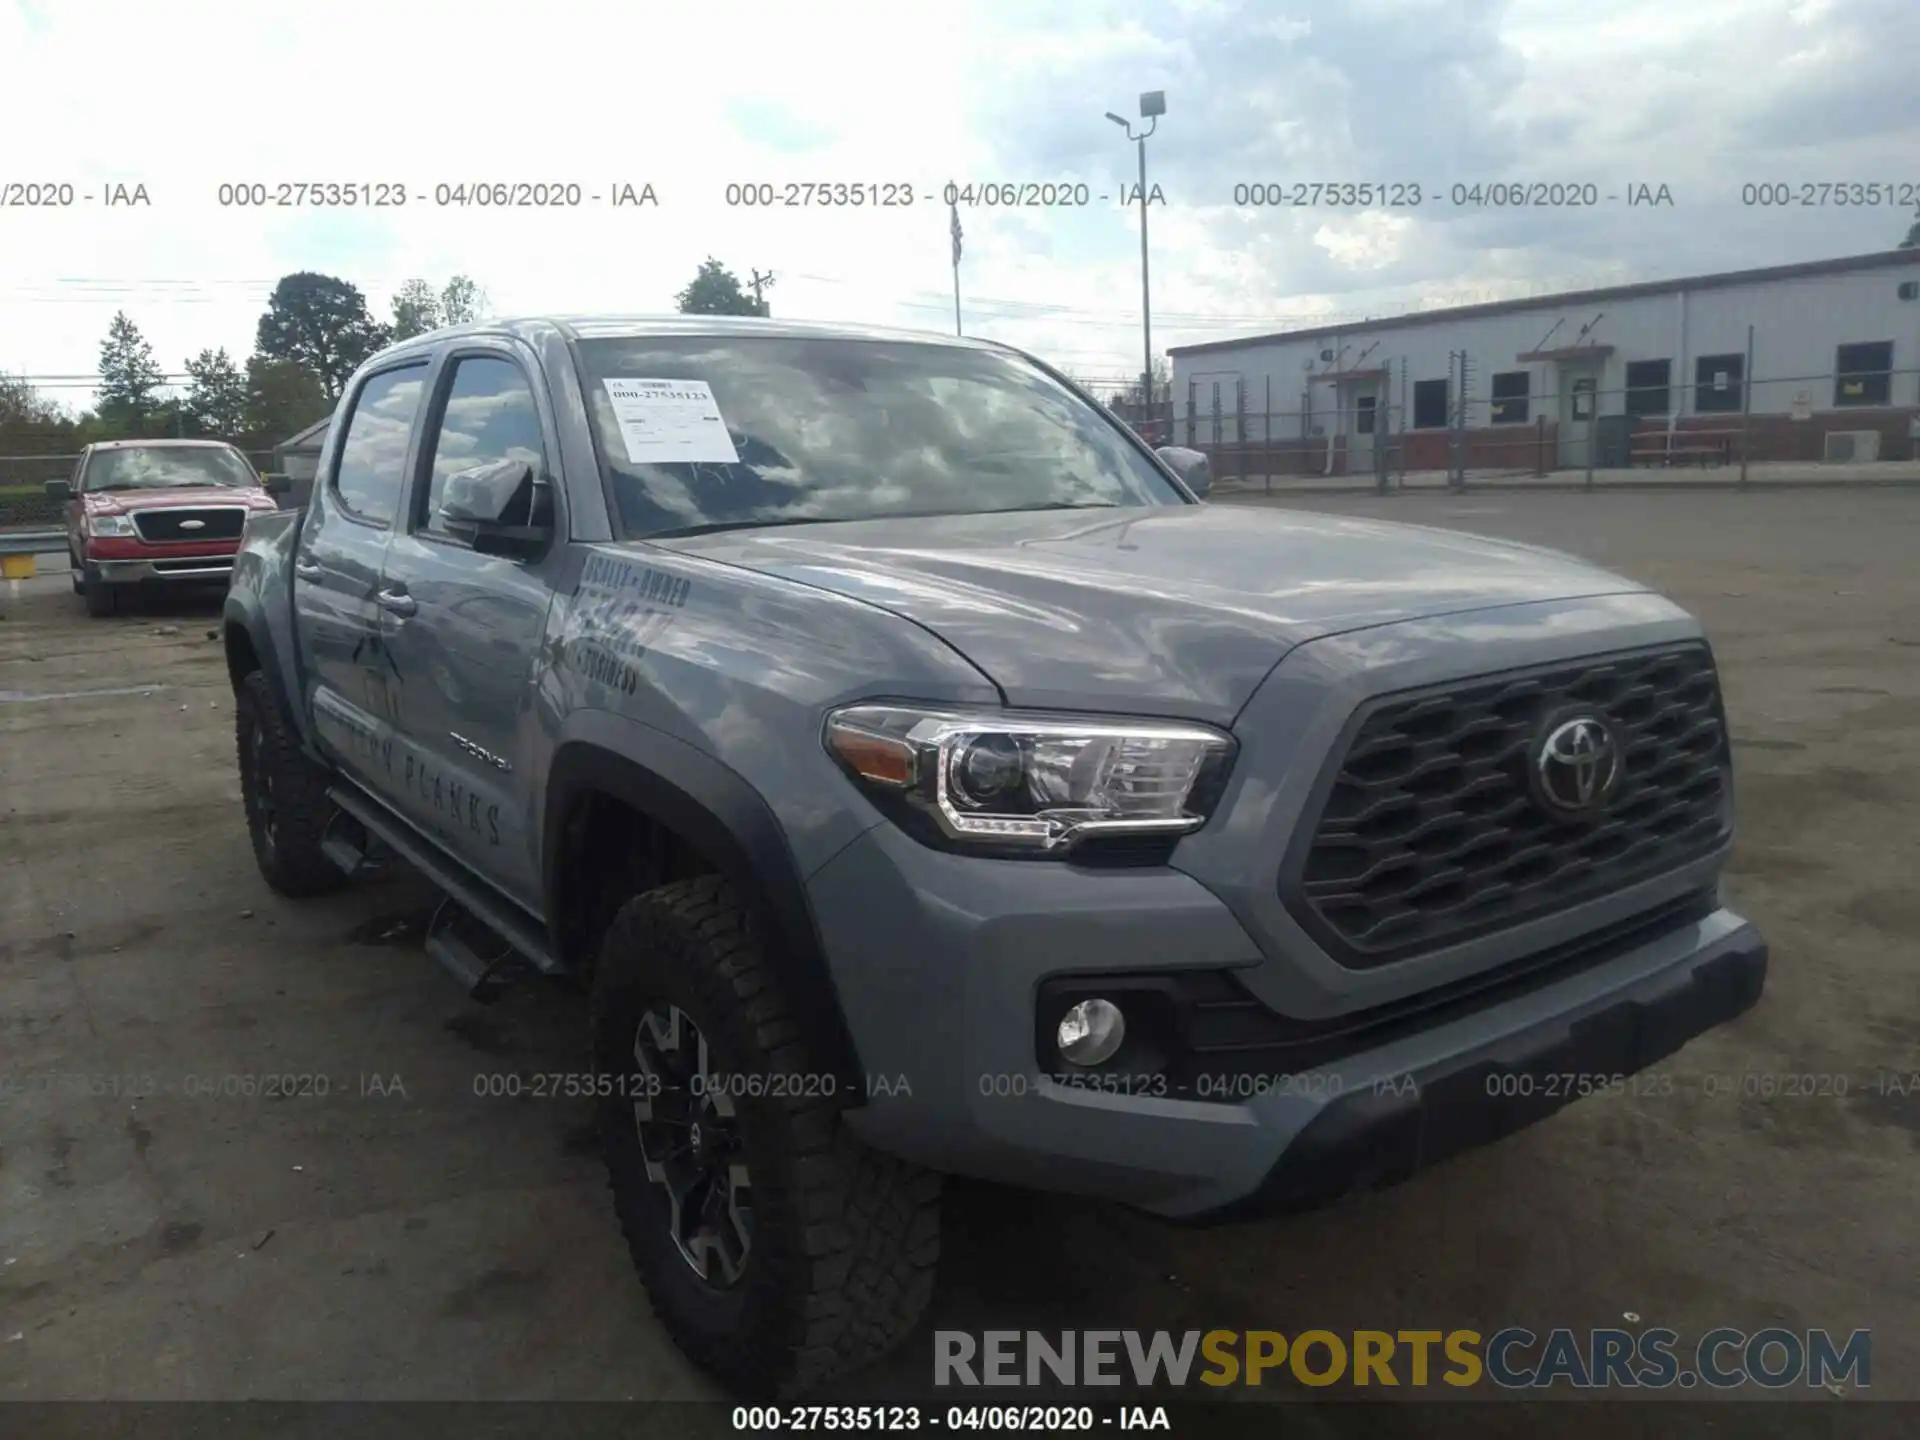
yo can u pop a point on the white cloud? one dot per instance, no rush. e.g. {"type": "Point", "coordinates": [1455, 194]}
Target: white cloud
{"type": "Point", "coordinates": [193, 94]}
{"type": "Point", "coordinates": [1368, 241]}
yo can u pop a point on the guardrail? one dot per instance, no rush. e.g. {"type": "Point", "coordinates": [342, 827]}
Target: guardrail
{"type": "Point", "coordinates": [48, 541]}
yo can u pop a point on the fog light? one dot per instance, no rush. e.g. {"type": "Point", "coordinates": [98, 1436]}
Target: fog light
{"type": "Point", "coordinates": [1091, 1032]}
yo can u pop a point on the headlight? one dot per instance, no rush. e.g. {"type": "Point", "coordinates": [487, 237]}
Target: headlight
{"type": "Point", "coordinates": [1030, 783]}
{"type": "Point", "coordinates": [111, 526]}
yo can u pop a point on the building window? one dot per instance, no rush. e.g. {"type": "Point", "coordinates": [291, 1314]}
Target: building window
{"type": "Point", "coordinates": [1510, 397]}
{"type": "Point", "coordinates": [1582, 396]}
{"type": "Point", "coordinates": [1719, 384]}
{"type": "Point", "coordinates": [1863, 374]}
{"type": "Point", "coordinates": [1364, 410]}
{"type": "Point", "coordinates": [1648, 387]}
{"type": "Point", "coordinates": [1429, 404]}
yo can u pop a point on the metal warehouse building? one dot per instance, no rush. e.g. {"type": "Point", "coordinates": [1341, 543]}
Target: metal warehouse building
{"type": "Point", "coordinates": [1806, 362]}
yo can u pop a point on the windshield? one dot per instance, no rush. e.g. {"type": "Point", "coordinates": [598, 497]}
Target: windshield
{"type": "Point", "coordinates": [167, 467]}
{"type": "Point", "coordinates": [832, 429]}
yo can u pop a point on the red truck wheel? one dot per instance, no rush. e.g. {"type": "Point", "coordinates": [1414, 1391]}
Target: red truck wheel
{"type": "Point", "coordinates": [101, 598]}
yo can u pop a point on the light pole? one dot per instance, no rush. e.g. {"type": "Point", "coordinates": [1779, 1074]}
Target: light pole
{"type": "Point", "coordinates": [1153, 104]}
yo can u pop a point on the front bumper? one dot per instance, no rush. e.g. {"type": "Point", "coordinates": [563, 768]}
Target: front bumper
{"type": "Point", "coordinates": [1383, 1135]}
{"type": "Point", "coordinates": [938, 959]}
{"type": "Point", "coordinates": [183, 569]}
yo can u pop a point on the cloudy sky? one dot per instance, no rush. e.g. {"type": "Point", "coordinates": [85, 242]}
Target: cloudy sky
{"type": "Point", "coordinates": [1702, 97]}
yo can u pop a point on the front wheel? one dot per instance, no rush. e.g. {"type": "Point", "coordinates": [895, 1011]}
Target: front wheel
{"type": "Point", "coordinates": [102, 598]}
{"type": "Point", "coordinates": [285, 795]}
{"type": "Point", "coordinates": [778, 1251]}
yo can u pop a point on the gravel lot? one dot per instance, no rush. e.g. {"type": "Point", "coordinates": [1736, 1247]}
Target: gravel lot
{"type": "Point", "coordinates": [430, 1243]}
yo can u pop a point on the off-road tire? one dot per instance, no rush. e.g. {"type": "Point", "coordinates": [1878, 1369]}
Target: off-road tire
{"type": "Point", "coordinates": [845, 1239]}
{"type": "Point", "coordinates": [289, 857]}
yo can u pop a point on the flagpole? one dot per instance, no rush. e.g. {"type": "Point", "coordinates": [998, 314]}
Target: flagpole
{"type": "Point", "coordinates": [956, 298]}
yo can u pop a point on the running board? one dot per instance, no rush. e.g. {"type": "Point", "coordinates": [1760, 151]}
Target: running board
{"type": "Point", "coordinates": [352, 847]}
{"type": "Point", "coordinates": [468, 894]}
{"type": "Point", "coordinates": [473, 954]}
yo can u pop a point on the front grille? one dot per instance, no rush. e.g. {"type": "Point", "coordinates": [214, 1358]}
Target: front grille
{"type": "Point", "coordinates": [223, 523]}
{"type": "Point", "coordinates": [1425, 833]}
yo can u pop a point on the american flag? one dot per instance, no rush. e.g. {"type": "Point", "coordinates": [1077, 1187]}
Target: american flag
{"type": "Point", "coordinates": [955, 208]}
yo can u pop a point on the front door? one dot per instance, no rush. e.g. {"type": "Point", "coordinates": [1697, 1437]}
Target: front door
{"type": "Point", "coordinates": [1362, 435]}
{"type": "Point", "coordinates": [1579, 410]}
{"type": "Point", "coordinates": [336, 574]}
{"type": "Point", "coordinates": [467, 633]}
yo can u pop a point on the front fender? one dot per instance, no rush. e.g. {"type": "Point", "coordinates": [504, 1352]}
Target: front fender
{"type": "Point", "coordinates": [724, 818]}
{"type": "Point", "coordinates": [257, 617]}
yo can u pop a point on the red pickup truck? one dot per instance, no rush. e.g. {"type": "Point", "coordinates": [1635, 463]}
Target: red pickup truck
{"type": "Point", "coordinates": [156, 512]}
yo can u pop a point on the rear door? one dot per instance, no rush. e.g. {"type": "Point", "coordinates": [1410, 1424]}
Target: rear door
{"type": "Point", "coordinates": [343, 542]}
{"type": "Point", "coordinates": [463, 630]}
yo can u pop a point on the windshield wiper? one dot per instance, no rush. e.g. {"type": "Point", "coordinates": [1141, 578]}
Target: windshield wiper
{"type": "Point", "coordinates": [1052, 505]}
{"type": "Point", "coordinates": [126, 485]}
{"type": "Point", "coordinates": [712, 527]}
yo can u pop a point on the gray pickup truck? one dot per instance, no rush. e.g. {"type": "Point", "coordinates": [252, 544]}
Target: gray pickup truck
{"type": "Point", "coordinates": [921, 779]}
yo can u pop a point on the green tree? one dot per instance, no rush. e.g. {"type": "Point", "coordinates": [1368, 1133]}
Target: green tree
{"type": "Point", "coordinates": [716, 291]}
{"type": "Point", "coordinates": [217, 401]}
{"type": "Point", "coordinates": [31, 424]}
{"type": "Point", "coordinates": [1912, 242]}
{"type": "Point", "coordinates": [418, 307]}
{"type": "Point", "coordinates": [321, 324]}
{"type": "Point", "coordinates": [130, 378]}
{"type": "Point", "coordinates": [283, 398]}
{"type": "Point", "coordinates": [416, 310]}
{"type": "Point", "coordinates": [1162, 385]}
{"type": "Point", "coordinates": [462, 302]}
{"type": "Point", "coordinates": [22, 405]}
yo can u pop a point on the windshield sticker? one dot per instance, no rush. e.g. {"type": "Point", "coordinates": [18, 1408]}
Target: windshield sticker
{"type": "Point", "coordinates": [664, 421]}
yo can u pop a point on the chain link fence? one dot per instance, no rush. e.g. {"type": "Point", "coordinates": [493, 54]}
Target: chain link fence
{"type": "Point", "coordinates": [1472, 428]}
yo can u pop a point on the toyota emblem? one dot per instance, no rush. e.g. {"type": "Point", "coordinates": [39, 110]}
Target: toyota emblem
{"type": "Point", "coordinates": [1576, 767]}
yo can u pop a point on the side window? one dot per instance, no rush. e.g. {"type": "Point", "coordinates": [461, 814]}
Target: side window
{"type": "Point", "coordinates": [370, 473]}
{"type": "Point", "coordinates": [490, 416]}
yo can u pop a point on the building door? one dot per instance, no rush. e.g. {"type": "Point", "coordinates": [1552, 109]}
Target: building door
{"type": "Point", "coordinates": [1579, 410]}
{"type": "Point", "coordinates": [1363, 428]}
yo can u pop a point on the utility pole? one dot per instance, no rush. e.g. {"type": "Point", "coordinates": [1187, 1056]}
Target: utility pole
{"type": "Point", "coordinates": [758, 281]}
{"type": "Point", "coordinates": [953, 229]}
{"type": "Point", "coordinates": [1146, 305]}
{"type": "Point", "coordinates": [1153, 104]}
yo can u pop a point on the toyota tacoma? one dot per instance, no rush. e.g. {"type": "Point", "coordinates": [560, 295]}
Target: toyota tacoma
{"type": "Point", "coordinates": [921, 778]}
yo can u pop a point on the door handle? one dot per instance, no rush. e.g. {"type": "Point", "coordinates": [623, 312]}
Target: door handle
{"type": "Point", "coordinates": [307, 570]}
{"type": "Point", "coordinates": [397, 602]}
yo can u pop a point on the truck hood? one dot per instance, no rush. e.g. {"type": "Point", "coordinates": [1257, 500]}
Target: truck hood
{"type": "Point", "coordinates": [121, 502]}
{"type": "Point", "coordinates": [1175, 610]}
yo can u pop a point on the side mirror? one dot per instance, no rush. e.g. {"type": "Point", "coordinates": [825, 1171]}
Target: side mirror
{"type": "Point", "coordinates": [60, 491]}
{"type": "Point", "coordinates": [497, 506]}
{"type": "Point", "coordinates": [277, 485]}
{"type": "Point", "coordinates": [1190, 465]}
